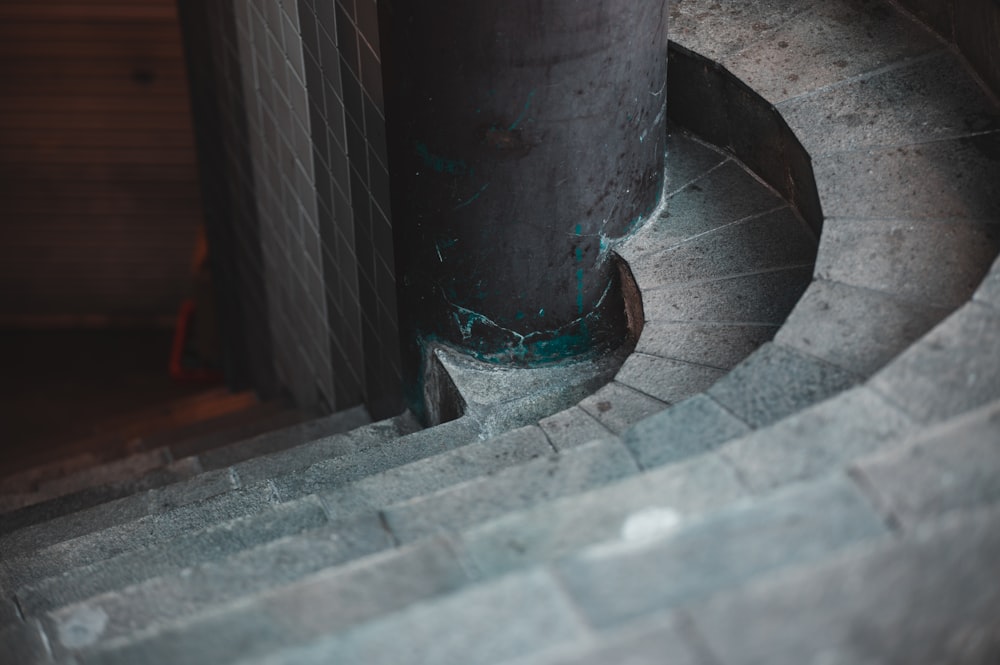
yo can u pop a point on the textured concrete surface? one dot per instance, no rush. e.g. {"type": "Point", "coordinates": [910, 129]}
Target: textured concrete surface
{"type": "Point", "coordinates": [618, 407]}
{"type": "Point", "coordinates": [689, 428]}
{"type": "Point", "coordinates": [667, 380]}
{"type": "Point", "coordinates": [719, 345]}
{"type": "Point", "coordinates": [775, 382]}
{"type": "Point", "coordinates": [572, 427]}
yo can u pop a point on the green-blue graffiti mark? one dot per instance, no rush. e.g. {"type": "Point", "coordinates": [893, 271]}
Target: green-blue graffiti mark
{"type": "Point", "coordinates": [541, 312]}
{"type": "Point", "coordinates": [472, 198]}
{"type": "Point", "coordinates": [441, 164]}
{"type": "Point", "coordinates": [519, 316]}
{"type": "Point", "coordinates": [524, 112]}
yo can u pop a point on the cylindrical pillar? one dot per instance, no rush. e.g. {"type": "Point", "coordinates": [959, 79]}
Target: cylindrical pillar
{"type": "Point", "coordinates": [524, 136]}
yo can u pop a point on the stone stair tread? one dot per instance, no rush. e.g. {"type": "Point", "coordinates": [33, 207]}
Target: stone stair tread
{"type": "Point", "coordinates": [927, 598]}
{"type": "Point", "coordinates": [333, 599]}
{"type": "Point", "coordinates": [718, 345]}
{"type": "Point", "coordinates": [666, 380]}
{"type": "Point", "coordinates": [617, 407]}
{"type": "Point", "coordinates": [55, 586]}
{"type": "Point", "coordinates": [473, 501]}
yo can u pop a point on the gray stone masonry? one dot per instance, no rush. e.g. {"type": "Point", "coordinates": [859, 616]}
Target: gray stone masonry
{"type": "Point", "coordinates": [855, 328]}
{"type": "Point", "coordinates": [825, 436]}
{"type": "Point", "coordinates": [948, 371]}
{"type": "Point", "coordinates": [488, 624]}
{"type": "Point", "coordinates": [570, 472]}
{"type": "Point", "coordinates": [954, 466]}
{"type": "Point", "coordinates": [989, 291]}
{"type": "Point", "coordinates": [213, 542]}
{"type": "Point", "coordinates": [117, 470]}
{"type": "Point", "coordinates": [302, 611]}
{"type": "Point", "coordinates": [775, 382]}
{"type": "Point", "coordinates": [667, 380]}
{"type": "Point", "coordinates": [892, 256]}
{"type": "Point", "coordinates": [383, 489]}
{"type": "Point", "coordinates": [328, 474]}
{"type": "Point", "coordinates": [572, 427]}
{"type": "Point", "coordinates": [713, 345]}
{"type": "Point", "coordinates": [618, 407]}
{"type": "Point", "coordinates": [930, 597]}
{"type": "Point", "coordinates": [686, 429]}
{"type": "Point", "coordinates": [556, 528]}
{"type": "Point", "coordinates": [159, 601]}
{"type": "Point", "coordinates": [623, 580]}
{"type": "Point", "coordinates": [147, 531]}
{"type": "Point", "coordinates": [24, 643]}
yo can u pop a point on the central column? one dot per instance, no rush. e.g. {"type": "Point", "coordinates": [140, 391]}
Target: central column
{"type": "Point", "coordinates": [524, 137]}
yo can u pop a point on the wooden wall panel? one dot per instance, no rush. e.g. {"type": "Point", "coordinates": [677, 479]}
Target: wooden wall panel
{"type": "Point", "coordinates": [99, 202]}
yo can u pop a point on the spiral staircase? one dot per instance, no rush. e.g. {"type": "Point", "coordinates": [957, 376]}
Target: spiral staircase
{"type": "Point", "coordinates": [799, 462]}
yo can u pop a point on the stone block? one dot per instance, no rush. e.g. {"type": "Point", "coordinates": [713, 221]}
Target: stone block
{"type": "Point", "coordinates": [927, 262]}
{"type": "Point", "coordinates": [571, 472]}
{"type": "Point", "coordinates": [686, 429]}
{"type": "Point", "coordinates": [929, 99]}
{"type": "Point", "coordinates": [492, 623]}
{"type": "Point", "coordinates": [618, 407]}
{"type": "Point", "coordinates": [8, 612]}
{"type": "Point", "coordinates": [166, 599]}
{"type": "Point", "coordinates": [826, 44]}
{"type": "Point", "coordinates": [954, 466]}
{"type": "Point", "coordinates": [618, 582]}
{"type": "Point", "coordinates": [775, 382]}
{"type": "Point", "coordinates": [572, 427]}
{"type": "Point", "coordinates": [332, 473]}
{"type": "Point", "coordinates": [134, 465]}
{"type": "Point", "coordinates": [952, 179]}
{"type": "Point", "coordinates": [855, 328]}
{"type": "Point", "coordinates": [928, 598]}
{"type": "Point", "coordinates": [763, 298]}
{"type": "Point", "coordinates": [775, 239]}
{"type": "Point", "coordinates": [217, 541]}
{"type": "Point", "coordinates": [302, 611]}
{"type": "Point", "coordinates": [820, 439]}
{"type": "Point", "coordinates": [667, 380]}
{"type": "Point", "coordinates": [953, 369]}
{"type": "Point", "coordinates": [559, 527]}
{"type": "Point", "coordinates": [713, 345]}
{"type": "Point", "coordinates": [146, 531]}
{"type": "Point", "coordinates": [24, 643]}
{"type": "Point", "coordinates": [988, 292]}
{"type": "Point", "coordinates": [436, 473]}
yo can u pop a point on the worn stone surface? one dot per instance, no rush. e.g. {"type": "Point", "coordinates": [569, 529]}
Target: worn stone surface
{"type": "Point", "coordinates": [764, 298]}
{"type": "Point", "coordinates": [270, 442]}
{"type": "Point", "coordinates": [667, 380]}
{"type": "Point", "coordinates": [716, 29]}
{"type": "Point", "coordinates": [988, 292]}
{"type": "Point", "coordinates": [434, 473]}
{"type": "Point", "coordinates": [302, 611]}
{"type": "Point", "coordinates": [618, 582]}
{"type": "Point", "coordinates": [116, 470]}
{"type": "Point", "coordinates": [571, 472]}
{"type": "Point", "coordinates": [776, 239]}
{"type": "Point", "coordinates": [827, 43]}
{"type": "Point", "coordinates": [688, 159]}
{"type": "Point", "coordinates": [618, 407]}
{"type": "Point", "coordinates": [332, 473]}
{"type": "Point", "coordinates": [776, 382]}
{"type": "Point", "coordinates": [950, 370]}
{"type": "Point", "coordinates": [955, 466]}
{"type": "Point", "coordinates": [168, 598]}
{"type": "Point", "coordinates": [855, 328]}
{"type": "Point", "coordinates": [108, 515]}
{"type": "Point", "coordinates": [149, 530]}
{"type": "Point", "coordinates": [688, 428]}
{"type": "Point", "coordinates": [817, 440]}
{"type": "Point", "coordinates": [894, 255]}
{"type": "Point", "coordinates": [713, 345]}
{"type": "Point", "coordinates": [24, 643]}
{"type": "Point", "coordinates": [559, 527]}
{"type": "Point", "coordinates": [928, 99]}
{"type": "Point", "coordinates": [63, 587]}
{"type": "Point", "coordinates": [928, 598]}
{"type": "Point", "coordinates": [951, 179]}
{"type": "Point", "coordinates": [492, 623]}
{"type": "Point", "coordinates": [572, 427]}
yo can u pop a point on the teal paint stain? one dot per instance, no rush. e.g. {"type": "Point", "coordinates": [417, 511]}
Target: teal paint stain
{"type": "Point", "coordinates": [541, 312]}
{"type": "Point", "coordinates": [524, 112]}
{"type": "Point", "coordinates": [519, 316]}
{"type": "Point", "coordinates": [440, 164]}
{"type": "Point", "coordinates": [472, 198]}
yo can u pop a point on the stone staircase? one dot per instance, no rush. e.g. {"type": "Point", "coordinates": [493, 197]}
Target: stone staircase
{"type": "Point", "coordinates": [798, 463]}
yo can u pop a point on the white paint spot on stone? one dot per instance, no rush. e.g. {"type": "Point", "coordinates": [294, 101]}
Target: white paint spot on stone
{"type": "Point", "coordinates": [650, 524]}
{"type": "Point", "coordinates": [82, 627]}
